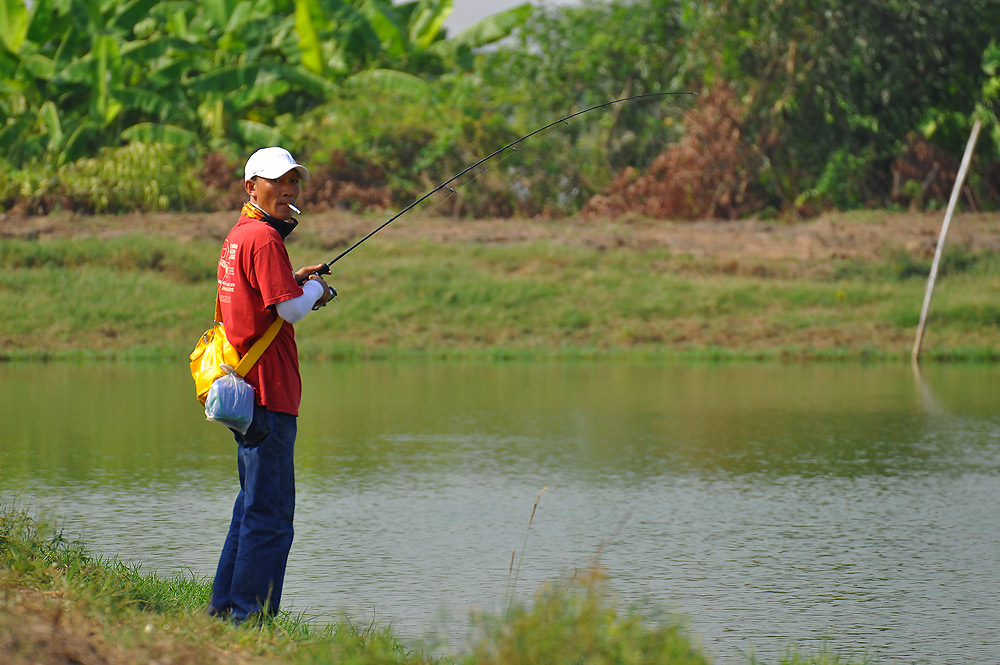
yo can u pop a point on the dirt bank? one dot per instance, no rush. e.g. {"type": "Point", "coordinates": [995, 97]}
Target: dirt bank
{"type": "Point", "coordinates": [863, 235]}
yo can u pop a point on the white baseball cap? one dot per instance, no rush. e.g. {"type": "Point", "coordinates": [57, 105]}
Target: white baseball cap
{"type": "Point", "coordinates": [273, 163]}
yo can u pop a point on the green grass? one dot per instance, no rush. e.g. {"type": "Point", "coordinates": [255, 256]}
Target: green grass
{"type": "Point", "coordinates": [133, 296]}
{"type": "Point", "coordinates": [59, 604]}
{"type": "Point", "coordinates": [129, 252]}
{"type": "Point", "coordinates": [124, 615]}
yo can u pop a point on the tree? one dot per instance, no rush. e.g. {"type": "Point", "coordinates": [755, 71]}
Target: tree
{"type": "Point", "coordinates": [832, 89]}
{"type": "Point", "coordinates": [576, 56]}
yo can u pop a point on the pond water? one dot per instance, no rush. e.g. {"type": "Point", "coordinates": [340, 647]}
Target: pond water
{"type": "Point", "coordinates": [775, 507]}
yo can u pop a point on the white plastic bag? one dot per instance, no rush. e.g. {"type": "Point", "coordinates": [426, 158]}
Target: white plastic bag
{"type": "Point", "coordinates": [230, 401]}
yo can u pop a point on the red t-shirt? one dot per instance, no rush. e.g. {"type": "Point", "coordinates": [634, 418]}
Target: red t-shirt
{"type": "Point", "coordinates": [254, 275]}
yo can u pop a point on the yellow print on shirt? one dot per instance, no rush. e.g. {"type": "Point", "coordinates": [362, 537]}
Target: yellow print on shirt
{"type": "Point", "coordinates": [226, 262]}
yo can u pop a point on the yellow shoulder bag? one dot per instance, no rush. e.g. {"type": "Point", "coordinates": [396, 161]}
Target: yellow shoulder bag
{"type": "Point", "coordinates": [214, 350]}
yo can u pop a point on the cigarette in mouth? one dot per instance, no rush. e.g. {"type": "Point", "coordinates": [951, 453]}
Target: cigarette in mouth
{"type": "Point", "coordinates": [294, 209]}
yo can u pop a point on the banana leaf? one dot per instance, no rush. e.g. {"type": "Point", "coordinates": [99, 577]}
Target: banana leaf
{"type": "Point", "coordinates": [84, 140]}
{"type": "Point", "coordinates": [263, 91]}
{"type": "Point", "coordinates": [48, 116]}
{"type": "Point", "coordinates": [391, 81]}
{"type": "Point", "coordinates": [38, 66]}
{"type": "Point", "coordinates": [219, 10]}
{"type": "Point", "coordinates": [429, 18]}
{"type": "Point", "coordinates": [304, 81]}
{"type": "Point", "coordinates": [131, 13]}
{"type": "Point", "coordinates": [255, 133]}
{"type": "Point", "coordinates": [12, 135]}
{"type": "Point", "coordinates": [383, 20]}
{"type": "Point", "coordinates": [226, 79]}
{"type": "Point", "coordinates": [492, 28]}
{"type": "Point", "coordinates": [150, 103]}
{"type": "Point", "coordinates": [43, 22]}
{"type": "Point", "coordinates": [107, 59]}
{"type": "Point", "coordinates": [242, 20]}
{"type": "Point", "coordinates": [308, 21]}
{"type": "Point", "coordinates": [150, 132]}
{"type": "Point", "coordinates": [13, 24]}
{"type": "Point", "coordinates": [149, 49]}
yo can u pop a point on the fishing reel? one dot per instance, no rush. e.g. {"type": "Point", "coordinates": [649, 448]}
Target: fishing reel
{"type": "Point", "coordinates": [325, 270]}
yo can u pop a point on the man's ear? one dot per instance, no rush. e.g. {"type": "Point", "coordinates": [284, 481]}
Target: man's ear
{"type": "Point", "coordinates": [251, 187]}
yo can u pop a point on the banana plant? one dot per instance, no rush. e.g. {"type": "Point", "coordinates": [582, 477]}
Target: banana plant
{"type": "Point", "coordinates": [76, 75]}
{"type": "Point", "coordinates": [63, 62]}
{"type": "Point", "coordinates": [340, 38]}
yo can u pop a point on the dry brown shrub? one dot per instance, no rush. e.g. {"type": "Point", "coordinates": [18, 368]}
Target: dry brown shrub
{"type": "Point", "coordinates": [223, 178]}
{"type": "Point", "coordinates": [343, 183]}
{"type": "Point", "coordinates": [706, 175]}
{"type": "Point", "coordinates": [337, 184]}
{"type": "Point", "coordinates": [43, 204]}
{"type": "Point", "coordinates": [991, 183]}
{"type": "Point", "coordinates": [923, 173]}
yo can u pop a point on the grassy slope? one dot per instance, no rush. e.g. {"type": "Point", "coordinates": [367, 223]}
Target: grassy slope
{"type": "Point", "coordinates": [142, 295]}
{"type": "Point", "coordinates": [60, 605]}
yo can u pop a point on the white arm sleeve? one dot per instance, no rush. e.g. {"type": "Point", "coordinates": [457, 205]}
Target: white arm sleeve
{"type": "Point", "coordinates": [295, 310]}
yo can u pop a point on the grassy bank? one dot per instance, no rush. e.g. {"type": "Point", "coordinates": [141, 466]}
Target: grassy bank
{"type": "Point", "coordinates": [111, 292]}
{"type": "Point", "coordinates": [59, 604]}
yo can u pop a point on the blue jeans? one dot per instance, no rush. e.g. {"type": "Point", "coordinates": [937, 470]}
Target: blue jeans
{"type": "Point", "coordinates": [252, 566]}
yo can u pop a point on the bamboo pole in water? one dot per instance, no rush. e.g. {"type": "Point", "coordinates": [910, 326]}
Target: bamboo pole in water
{"type": "Point", "coordinates": [940, 244]}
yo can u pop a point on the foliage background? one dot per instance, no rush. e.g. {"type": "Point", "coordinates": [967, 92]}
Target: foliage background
{"type": "Point", "coordinates": [804, 106]}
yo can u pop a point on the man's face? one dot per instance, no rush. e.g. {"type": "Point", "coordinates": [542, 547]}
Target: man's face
{"type": "Point", "coordinates": [273, 196]}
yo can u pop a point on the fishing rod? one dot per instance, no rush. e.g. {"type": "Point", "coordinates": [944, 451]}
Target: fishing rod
{"type": "Point", "coordinates": [510, 146]}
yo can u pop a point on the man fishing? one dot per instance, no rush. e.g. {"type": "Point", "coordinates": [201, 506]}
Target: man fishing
{"type": "Point", "coordinates": [256, 285]}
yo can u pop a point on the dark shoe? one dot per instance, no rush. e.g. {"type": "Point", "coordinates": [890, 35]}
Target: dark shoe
{"type": "Point", "coordinates": [254, 620]}
{"type": "Point", "coordinates": [220, 612]}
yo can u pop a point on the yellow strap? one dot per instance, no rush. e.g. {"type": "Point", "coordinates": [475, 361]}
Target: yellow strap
{"type": "Point", "coordinates": [259, 347]}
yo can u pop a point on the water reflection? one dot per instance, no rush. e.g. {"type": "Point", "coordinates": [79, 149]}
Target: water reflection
{"type": "Point", "coordinates": [626, 421]}
{"type": "Point", "coordinates": [773, 505]}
